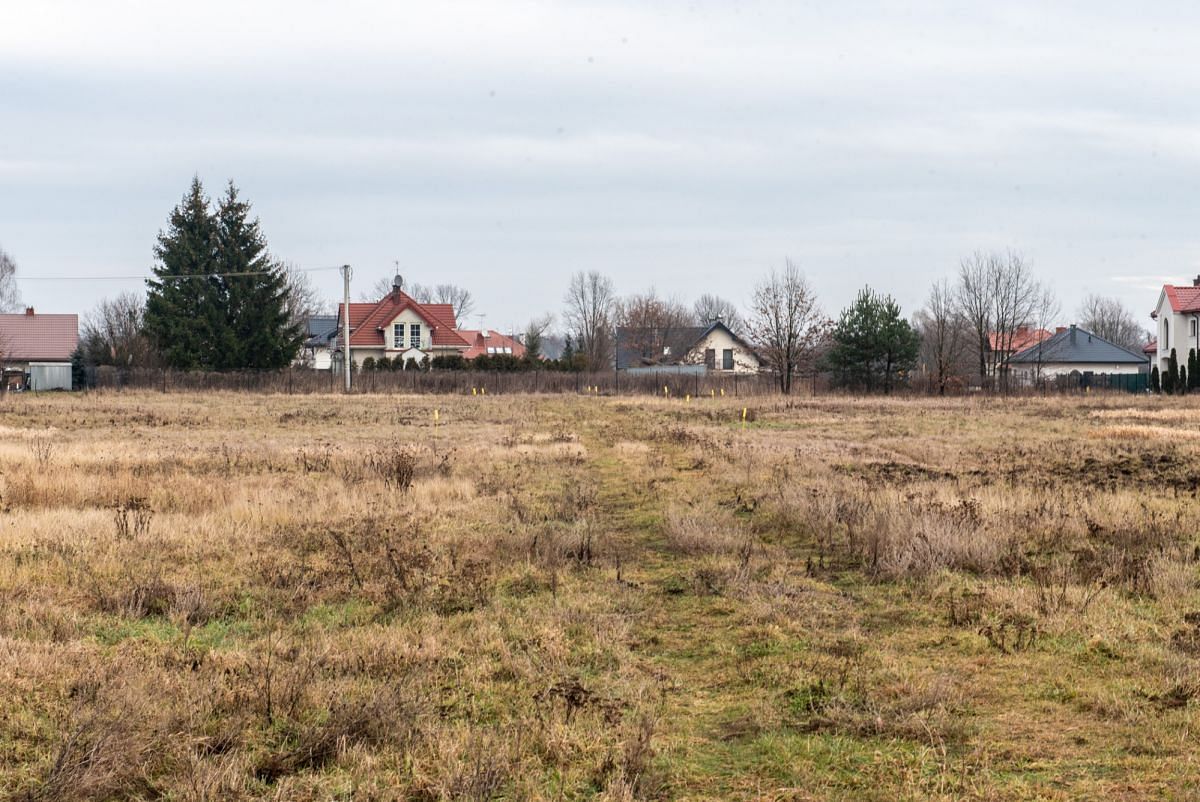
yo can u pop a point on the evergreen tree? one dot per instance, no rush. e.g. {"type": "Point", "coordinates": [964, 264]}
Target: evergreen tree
{"type": "Point", "coordinates": [1182, 385]}
{"type": "Point", "coordinates": [185, 317]}
{"type": "Point", "coordinates": [1193, 370]}
{"type": "Point", "coordinates": [1155, 387]}
{"type": "Point", "coordinates": [202, 309]}
{"type": "Point", "coordinates": [1171, 380]}
{"type": "Point", "coordinates": [872, 344]}
{"type": "Point", "coordinates": [260, 332]}
{"type": "Point", "coordinates": [567, 357]}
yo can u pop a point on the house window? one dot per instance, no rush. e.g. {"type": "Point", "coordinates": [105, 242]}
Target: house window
{"type": "Point", "coordinates": [727, 359]}
{"type": "Point", "coordinates": [398, 335]}
{"type": "Point", "coordinates": [414, 335]}
{"type": "Point", "coordinates": [1193, 322]}
{"type": "Point", "coordinates": [1166, 343]}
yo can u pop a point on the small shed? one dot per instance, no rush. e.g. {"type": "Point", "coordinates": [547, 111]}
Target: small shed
{"type": "Point", "coordinates": [49, 376]}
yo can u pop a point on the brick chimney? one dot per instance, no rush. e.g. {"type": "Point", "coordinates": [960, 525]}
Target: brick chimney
{"type": "Point", "coordinates": [29, 311]}
{"type": "Point", "coordinates": [1059, 329]}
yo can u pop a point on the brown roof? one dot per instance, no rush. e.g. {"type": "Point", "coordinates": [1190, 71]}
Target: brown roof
{"type": "Point", "coordinates": [28, 337]}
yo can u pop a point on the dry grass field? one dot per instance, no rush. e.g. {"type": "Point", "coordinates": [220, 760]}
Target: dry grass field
{"type": "Point", "coordinates": [231, 597]}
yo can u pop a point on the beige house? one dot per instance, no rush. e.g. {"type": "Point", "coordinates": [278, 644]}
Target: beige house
{"type": "Point", "coordinates": [685, 349]}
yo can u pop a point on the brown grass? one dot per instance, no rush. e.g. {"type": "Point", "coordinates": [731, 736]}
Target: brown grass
{"type": "Point", "coordinates": [565, 598]}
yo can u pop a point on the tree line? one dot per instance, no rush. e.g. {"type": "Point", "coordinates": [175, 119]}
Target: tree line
{"type": "Point", "coordinates": [218, 300]}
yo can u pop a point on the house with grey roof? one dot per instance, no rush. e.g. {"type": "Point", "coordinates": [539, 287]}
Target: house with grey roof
{"type": "Point", "coordinates": [320, 332]}
{"type": "Point", "coordinates": [1076, 353]}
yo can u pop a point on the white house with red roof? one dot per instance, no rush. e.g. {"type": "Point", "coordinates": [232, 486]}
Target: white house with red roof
{"type": "Point", "coordinates": [399, 326]}
{"type": "Point", "coordinates": [1178, 317]}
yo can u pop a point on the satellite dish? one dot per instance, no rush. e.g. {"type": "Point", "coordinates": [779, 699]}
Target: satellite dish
{"type": "Point", "coordinates": [398, 283]}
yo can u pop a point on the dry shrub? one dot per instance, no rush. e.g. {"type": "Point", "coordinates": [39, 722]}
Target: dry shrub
{"type": "Point", "coordinates": [317, 736]}
{"type": "Point", "coordinates": [931, 711]}
{"type": "Point", "coordinates": [132, 517]}
{"type": "Point", "coordinates": [695, 533]}
{"type": "Point", "coordinates": [399, 565]}
{"type": "Point", "coordinates": [395, 466]}
{"type": "Point", "coordinates": [42, 450]}
{"type": "Point", "coordinates": [114, 742]}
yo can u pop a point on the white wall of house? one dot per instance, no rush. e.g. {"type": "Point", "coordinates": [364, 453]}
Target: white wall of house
{"type": "Point", "coordinates": [1050, 370]}
{"type": "Point", "coordinates": [720, 341]}
{"type": "Point", "coordinates": [1181, 332]}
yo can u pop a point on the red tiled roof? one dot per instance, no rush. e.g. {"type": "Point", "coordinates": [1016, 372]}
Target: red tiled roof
{"type": "Point", "coordinates": [1150, 347]}
{"type": "Point", "coordinates": [368, 319]}
{"type": "Point", "coordinates": [37, 338]}
{"type": "Point", "coordinates": [1183, 299]}
{"type": "Point", "coordinates": [493, 339]}
{"type": "Point", "coordinates": [1022, 338]}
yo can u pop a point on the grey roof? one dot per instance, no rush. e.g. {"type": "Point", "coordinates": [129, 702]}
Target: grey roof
{"type": "Point", "coordinates": [320, 329]}
{"type": "Point", "coordinates": [1078, 345]}
{"type": "Point", "coordinates": [632, 342]}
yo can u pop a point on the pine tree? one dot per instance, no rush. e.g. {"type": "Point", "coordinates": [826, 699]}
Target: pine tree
{"type": "Point", "coordinates": [1155, 387]}
{"type": "Point", "coordinates": [185, 317]}
{"type": "Point", "coordinates": [872, 344]}
{"type": "Point", "coordinates": [260, 334]}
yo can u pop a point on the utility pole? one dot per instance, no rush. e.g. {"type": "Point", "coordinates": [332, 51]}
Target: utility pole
{"type": "Point", "coordinates": [346, 325]}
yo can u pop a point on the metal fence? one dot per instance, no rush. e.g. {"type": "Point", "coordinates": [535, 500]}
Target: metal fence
{"type": "Point", "coordinates": [305, 381]}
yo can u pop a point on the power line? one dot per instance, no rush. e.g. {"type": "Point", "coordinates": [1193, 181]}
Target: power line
{"type": "Point", "coordinates": [19, 277]}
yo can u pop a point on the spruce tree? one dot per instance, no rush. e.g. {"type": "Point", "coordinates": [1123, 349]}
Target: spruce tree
{"type": "Point", "coordinates": [185, 304]}
{"type": "Point", "coordinates": [1155, 387]}
{"type": "Point", "coordinates": [259, 333]}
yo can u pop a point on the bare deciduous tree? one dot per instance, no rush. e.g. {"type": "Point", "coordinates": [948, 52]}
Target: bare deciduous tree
{"type": "Point", "coordinates": [943, 335]}
{"type": "Point", "coordinates": [648, 323]}
{"type": "Point", "coordinates": [998, 296]}
{"type": "Point", "coordinates": [534, 336]}
{"type": "Point", "coordinates": [1111, 320]}
{"type": "Point", "coordinates": [458, 297]}
{"type": "Point", "coordinates": [786, 324]}
{"type": "Point", "coordinates": [112, 333]}
{"type": "Point", "coordinates": [302, 298]}
{"type": "Point", "coordinates": [10, 295]}
{"type": "Point", "coordinates": [709, 308]}
{"type": "Point", "coordinates": [590, 301]}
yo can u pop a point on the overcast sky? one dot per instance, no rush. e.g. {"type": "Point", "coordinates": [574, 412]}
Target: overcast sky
{"type": "Point", "coordinates": [688, 146]}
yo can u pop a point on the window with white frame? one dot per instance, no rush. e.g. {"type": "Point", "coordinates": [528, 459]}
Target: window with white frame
{"type": "Point", "coordinates": [1193, 325]}
{"type": "Point", "coordinates": [414, 335]}
{"type": "Point", "coordinates": [398, 335]}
